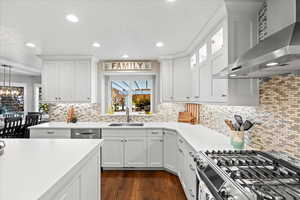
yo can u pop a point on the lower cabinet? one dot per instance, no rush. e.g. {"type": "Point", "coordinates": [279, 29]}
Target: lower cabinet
{"type": "Point", "coordinates": [55, 133]}
{"type": "Point", "coordinates": [170, 150]}
{"type": "Point", "coordinates": [113, 152]}
{"type": "Point", "coordinates": [155, 151]}
{"type": "Point", "coordinates": [187, 169]}
{"type": "Point", "coordinates": [135, 152]}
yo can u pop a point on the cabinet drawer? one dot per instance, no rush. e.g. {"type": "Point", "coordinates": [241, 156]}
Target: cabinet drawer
{"type": "Point", "coordinates": [155, 133]}
{"type": "Point", "coordinates": [50, 133]}
{"type": "Point", "coordinates": [181, 142]}
{"type": "Point", "coordinates": [124, 132]}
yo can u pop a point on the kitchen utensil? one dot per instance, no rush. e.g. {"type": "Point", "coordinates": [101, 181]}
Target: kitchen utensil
{"type": "Point", "coordinates": [237, 127]}
{"type": "Point", "coordinates": [229, 124]}
{"type": "Point", "coordinates": [247, 125]}
{"type": "Point", "coordinates": [238, 119]}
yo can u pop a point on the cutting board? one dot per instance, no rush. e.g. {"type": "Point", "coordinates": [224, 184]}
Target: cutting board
{"type": "Point", "coordinates": [194, 109]}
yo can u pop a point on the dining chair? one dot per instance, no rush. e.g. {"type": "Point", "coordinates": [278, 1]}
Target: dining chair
{"type": "Point", "coordinates": [30, 120]}
{"type": "Point", "coordinates": [12, 128]}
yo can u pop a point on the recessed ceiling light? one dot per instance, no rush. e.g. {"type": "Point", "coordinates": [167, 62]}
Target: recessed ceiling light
{"type": "Point", "coordinates": [232, 75]}
{"type": "Point", "coordinates": [29, 44]}
{"type": "Point", "coordinates": [125, 56]}
{"type": "Point", "coordinates": [171, 0]}
{"type": "Point", "coordinates": [272, 64]}
{"type": "Point", "coordinates": [159, 44]}
{"type": "Point", "coordinates": [96, 44]}
{"type": "Point", "coordinates": [72, 18]}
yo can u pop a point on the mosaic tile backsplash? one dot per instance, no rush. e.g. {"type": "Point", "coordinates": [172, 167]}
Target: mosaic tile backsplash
{"type": "Point", "coordinates": [167, 112]}
{"type": "Point", "coordinates": [278, 116]}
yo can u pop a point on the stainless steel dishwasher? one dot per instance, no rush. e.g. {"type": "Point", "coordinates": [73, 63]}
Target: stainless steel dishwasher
{"type": "Point", "coordinates": [85, 133]}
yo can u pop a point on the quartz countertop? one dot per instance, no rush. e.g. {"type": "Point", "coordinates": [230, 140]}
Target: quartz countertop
{"type": "Point", "coordinates": [30, 168]}
{"type": "Point", "coordinates": [199, 137]}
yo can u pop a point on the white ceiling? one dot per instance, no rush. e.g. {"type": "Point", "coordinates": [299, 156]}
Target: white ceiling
{"type": "Point", "coordinates": [120, 26]}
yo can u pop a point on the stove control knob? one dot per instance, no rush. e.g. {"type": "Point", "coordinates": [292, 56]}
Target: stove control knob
{"type": "Point", "coordinates": [201, 164]}
{"type": "Point", "coordinates": [231, 197]}
{"type": "Point", "coordinates": [224, 192]}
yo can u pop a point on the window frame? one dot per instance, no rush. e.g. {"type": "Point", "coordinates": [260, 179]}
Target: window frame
{"type": "Point", "coordinates": [132, 78]}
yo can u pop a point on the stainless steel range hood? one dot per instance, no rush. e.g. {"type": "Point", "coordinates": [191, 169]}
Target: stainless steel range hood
{"type": "Point", "coordinates": [277, 54]}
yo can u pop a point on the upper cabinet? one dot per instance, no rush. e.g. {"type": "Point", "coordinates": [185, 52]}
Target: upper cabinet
{"type": "Point", "coordinates": [229, 34]}
{"type": "Point", "coordinates": [176, 80]}
{"type": "Point", "coordinates": [68, 80]}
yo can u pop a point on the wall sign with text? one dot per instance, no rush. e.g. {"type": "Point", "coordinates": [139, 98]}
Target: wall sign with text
{"type": "Point", "coordinates": [127, 66]}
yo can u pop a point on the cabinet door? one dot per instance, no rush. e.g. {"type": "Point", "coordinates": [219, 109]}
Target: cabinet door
{"type": "Point", "coordinates": [113, 152]}
{"type": "Point", "coordinates": [135, 152]}
{"type": "Point", "coordinates": [66, 81]}
{"type": "Point", "coordinates": [181, 166]}
{"type": "Point", "coordinates": [182, 79]}
{"type": "Point", "coordinates": [196, 83]}
{"type": "Point", "coordinates": [155, 152]}
{"type": "Point", "coordinates": [82, 85]}
{"type": "Point", "coordinates": [170, 150]}
{"type": "Point", "coordinates": [205, 82]}
{"type": "Point", "coordinates": [190, 172]}
{"type": "Point", "coordinates": [50, 79]}
{"type": "Point", "coordinates": [167, 80]}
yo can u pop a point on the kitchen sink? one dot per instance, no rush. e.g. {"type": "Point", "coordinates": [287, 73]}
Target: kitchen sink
{"type": "Point", "coordinates": [126, 124]}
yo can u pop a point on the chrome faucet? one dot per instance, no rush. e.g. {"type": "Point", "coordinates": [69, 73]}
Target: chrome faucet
{"type": "Point", "coordinates": [127, 115]}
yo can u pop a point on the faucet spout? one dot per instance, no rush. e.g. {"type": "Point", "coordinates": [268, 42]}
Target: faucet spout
{"type": "Point", "coordinates": [127, 115]}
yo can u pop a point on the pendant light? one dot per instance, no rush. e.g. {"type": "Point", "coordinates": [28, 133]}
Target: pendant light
{"type": "Point", "coordinates": [7, 90]}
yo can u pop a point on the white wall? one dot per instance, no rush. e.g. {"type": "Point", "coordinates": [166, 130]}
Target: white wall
{"type": "Point", "coordinates": [29, 82]}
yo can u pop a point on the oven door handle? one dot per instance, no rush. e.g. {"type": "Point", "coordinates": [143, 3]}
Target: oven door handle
{"type": "Point", "coordinates": [201, 176]}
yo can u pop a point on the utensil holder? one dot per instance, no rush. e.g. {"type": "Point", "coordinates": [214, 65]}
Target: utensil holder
{"type": "Point", "coordinates": [237, 139]}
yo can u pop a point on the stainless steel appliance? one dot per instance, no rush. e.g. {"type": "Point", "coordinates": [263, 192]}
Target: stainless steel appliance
{"type": "Point", "coordinates": [86, 133]}
{"type": "Point", "coordinates": [246, 175]}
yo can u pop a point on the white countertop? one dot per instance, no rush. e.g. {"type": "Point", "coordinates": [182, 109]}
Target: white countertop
{"type": "Point", "coordinates": [29, 168]}
{"type": "Point", "coordinates": [199, 137]}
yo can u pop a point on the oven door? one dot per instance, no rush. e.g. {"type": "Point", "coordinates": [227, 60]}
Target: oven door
{"type": "Point", "coordinates": [206, 190]}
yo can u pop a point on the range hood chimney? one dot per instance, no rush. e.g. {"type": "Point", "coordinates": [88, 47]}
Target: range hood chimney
{"type": "Point", "coordinates": [277, 54]}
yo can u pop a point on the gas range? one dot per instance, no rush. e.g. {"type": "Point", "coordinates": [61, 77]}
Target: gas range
{"type": "Point", "coordinates": [246, 175]}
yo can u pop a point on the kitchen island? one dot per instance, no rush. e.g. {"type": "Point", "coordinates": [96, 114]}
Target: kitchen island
{"type": "Point", "coordinates": [53, 169]}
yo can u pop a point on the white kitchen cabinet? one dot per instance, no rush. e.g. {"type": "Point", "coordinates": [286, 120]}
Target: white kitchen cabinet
{"type": "Point", "coordinates": [205, 82]}
{"type": "Point", "coordinates": [190, 173]}
{"type": "Point", "coordinates": [68, 80]}
{"type": "Point", "coordinates": [176, 80]}
{"type": "Point", "coordinates": [50, 133]}
{"type": "Point", "coordinates": [50, 83]}
{"type": "Point", "coordinates": [182, 76]}
{"type": "Point", "coordinates": [113, 152]}
{"type": "Point", "coordinates": [82, 89]}
{"type": "Point", "coordinates": [170, 150]}
{"type": "Point", "coordinates": [181, 167]}
{"type": "Point", "coordinates": [195, 83]}
{"type": "Point", "coordinates": [155, 151]}
{"type": "Point", "coordinates": [65, 81]}
{"type": "Point", "coordinates": [135, 152]}
{"type": "Point", "coordinates": [166, 74]}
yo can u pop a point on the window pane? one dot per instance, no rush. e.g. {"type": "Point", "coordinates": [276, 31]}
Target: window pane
{"type": "Point", "coordinates": [119, 95]}
{"type": "Point", "coordinates": [217, 41]}
{"type": "Point", "coordinates": [132, 94]}
{"type": "Point", "coordinates": [193, 60]}
{"type": "Point", "coordinates": [203, 53]}
{"type": "Point", "coordinates": [141, 96]}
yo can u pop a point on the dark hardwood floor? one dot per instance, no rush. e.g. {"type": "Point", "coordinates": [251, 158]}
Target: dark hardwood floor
{"type": "Point", "coordinates": [140, 185]}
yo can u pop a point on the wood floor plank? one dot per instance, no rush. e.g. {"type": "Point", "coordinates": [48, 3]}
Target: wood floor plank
{"type": "Point", "coordinates": [140, 185]}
